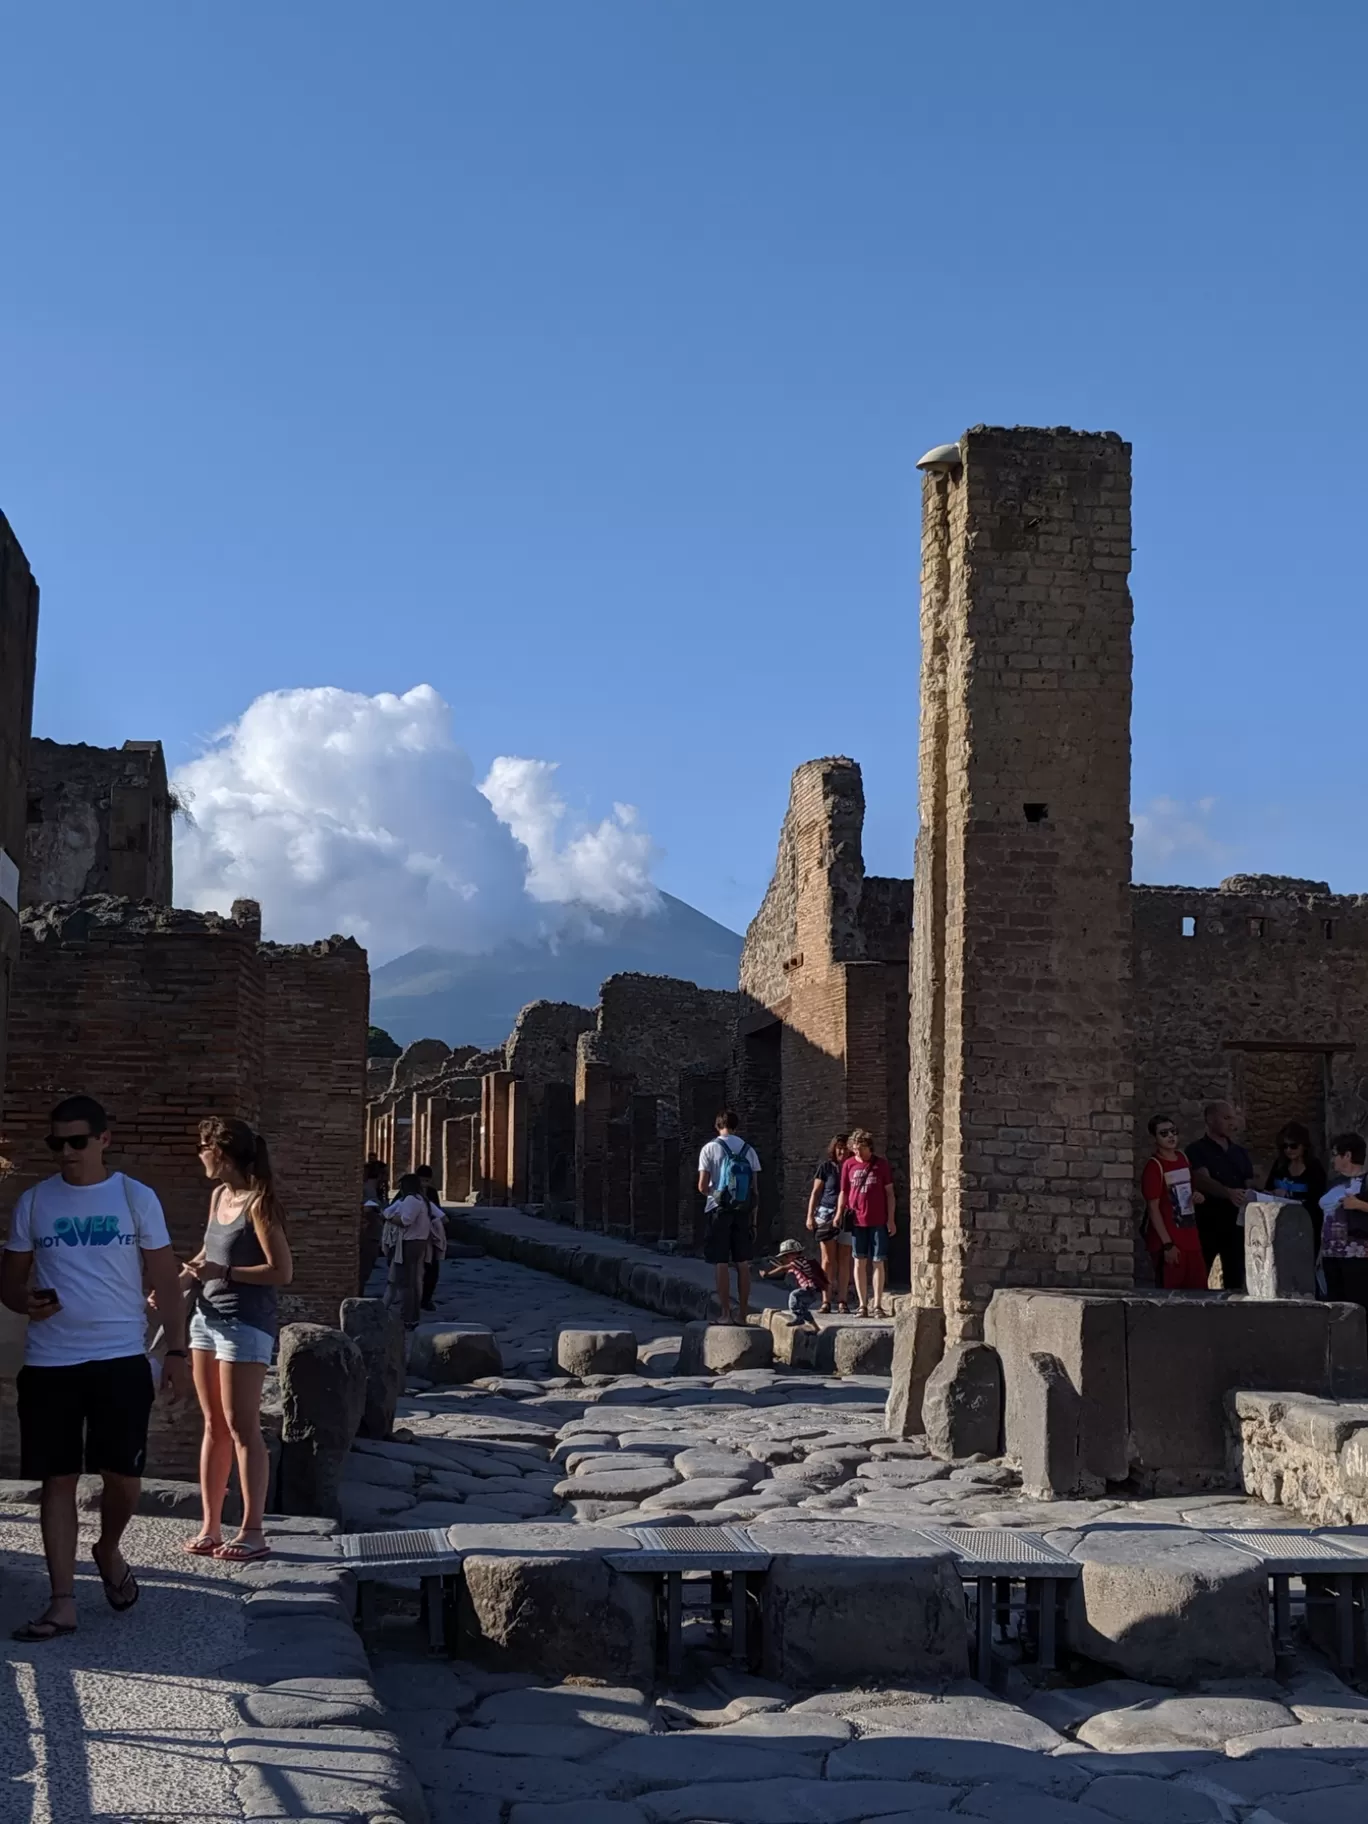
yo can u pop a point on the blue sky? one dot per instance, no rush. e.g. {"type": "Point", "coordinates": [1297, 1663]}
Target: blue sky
{"type": "Point", "coordinates": [574, 358]}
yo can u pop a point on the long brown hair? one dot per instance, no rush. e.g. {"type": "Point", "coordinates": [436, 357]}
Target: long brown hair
{"type": "Point", "coordinates": [245, 1149]}
{"type": "Point", "coordinates": [838, 1140]}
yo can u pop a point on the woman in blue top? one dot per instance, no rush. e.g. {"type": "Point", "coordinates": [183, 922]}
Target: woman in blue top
{"type": "Point", "coordinates": [244, 1259]}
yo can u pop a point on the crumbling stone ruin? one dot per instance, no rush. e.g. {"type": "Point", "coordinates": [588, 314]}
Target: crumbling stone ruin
{"type": "Point", "coordinates": [174, 1014]}
{"type": "Point", "coordinates": [822, 1030]}
{"type": "Point", "coordinates": [99, 821]}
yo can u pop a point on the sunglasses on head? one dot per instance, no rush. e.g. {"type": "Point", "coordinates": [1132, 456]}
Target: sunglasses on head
{"type": "Point", "coordinates": [78, 1142]}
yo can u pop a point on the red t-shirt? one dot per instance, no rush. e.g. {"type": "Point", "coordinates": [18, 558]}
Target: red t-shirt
{"type": "Point", "coordinates": [864, 1189]}
{"type": "Point", "coordinates": [1169, 1183]}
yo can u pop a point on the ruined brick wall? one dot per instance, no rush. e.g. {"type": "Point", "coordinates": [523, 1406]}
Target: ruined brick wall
{"type": "Point", "coordinates": [1264, 1003]}
{"type": "Point", "coordinates": [1020, 1038]}
{"type": "Point", "coordinates": [167, 1016]}
{"type": "Point", "coordinates": [315, 1010]}
{"type": "Point", "coordinates": [541, 1048]}
{"type": "Point", "coordinates": [18, 650]}
{"type": "Point", "coordinates": [654, 1026]}
{"type": "Point", "coordinates": [823, 1044]}
{"type": "Point", "coordinates": [99, 821]}
{"type": "Point", "coordinates": [158, 1015]}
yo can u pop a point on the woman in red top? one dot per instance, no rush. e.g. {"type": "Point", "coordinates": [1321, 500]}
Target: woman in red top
{"type": "Point", "coordinates": [1171, 1210]}
{"type": "Point", "coordinates": [867, 1194]}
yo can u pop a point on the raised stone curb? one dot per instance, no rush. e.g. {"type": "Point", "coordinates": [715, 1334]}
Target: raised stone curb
{"type": "Point", "coordinates": [314, 1741]}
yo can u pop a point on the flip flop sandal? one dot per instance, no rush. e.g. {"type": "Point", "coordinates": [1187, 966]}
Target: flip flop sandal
{"type": "Point", "coordinates": [34, 1631]}
{"type": "Point", "coordinates": [237, 1551]}
{"type": "Point", "coordinates": [201, 1547]}
{"type": "Point", "coordinates": [825, 1310]}
{"type": "Point", "coordinates": [121, 1595]}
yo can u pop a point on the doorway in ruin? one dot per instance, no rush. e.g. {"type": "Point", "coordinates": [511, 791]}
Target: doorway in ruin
{"type": "Point", "coordinates": [1280, 1083]}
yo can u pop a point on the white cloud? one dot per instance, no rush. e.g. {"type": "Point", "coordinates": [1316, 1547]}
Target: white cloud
{"type": "Point", "coordinates": [1169, 831]}
{"type": "Point", "coordinates": [342, 812]}
{"type": "Point", "coordinates": [607, 867]}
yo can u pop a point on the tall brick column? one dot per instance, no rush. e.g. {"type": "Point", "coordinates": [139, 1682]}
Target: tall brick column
{"type": "Point", "coordinates": [18, 649]}
{"type": "Point", "coordinates": [1020, 1050]}
{"type": "Point", "coordinates": [494, 1089]}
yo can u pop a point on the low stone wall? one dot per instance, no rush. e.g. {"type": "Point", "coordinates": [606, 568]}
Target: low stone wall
{"type": "Point", "coordinates": [1307, 1454]}
{"type": "Point", "coordinates": [1140, 1381]}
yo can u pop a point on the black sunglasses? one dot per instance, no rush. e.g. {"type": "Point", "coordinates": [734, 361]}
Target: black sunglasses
{"type": "Point", "coordinates": [80, 1142]}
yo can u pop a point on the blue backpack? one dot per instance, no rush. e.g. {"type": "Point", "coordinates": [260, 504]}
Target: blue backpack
{"type": "Point", "coordinates": [735, 1179]}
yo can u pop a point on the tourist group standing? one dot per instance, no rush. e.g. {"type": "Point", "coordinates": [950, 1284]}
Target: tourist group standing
{"type": "Point", "coordinates": [1196, 1197]}
{"type": "Point", "coordinates": [850, 1214]}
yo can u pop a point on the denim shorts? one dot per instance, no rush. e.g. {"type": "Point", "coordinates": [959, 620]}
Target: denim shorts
{"type": "Point", "coordinates": [230, 1340]}
{"type": "Point", "coordinates": [871, 1242]}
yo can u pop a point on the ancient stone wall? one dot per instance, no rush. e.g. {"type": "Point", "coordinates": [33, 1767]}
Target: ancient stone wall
{"type": "Point", "coordinates": [541, 1047]}
{"type": "Point", "coordinates": [18, 651]}
{"type": "Point", "coordinates": [823, 1025]}
{"type": "Point", "coordinates": [99, 821]}
{"type": "Point", "coordinates": [1256, 991]}
{"type": "Point", "coordinates": [167, 1016]}
{"type": "Point", "coordinates": [654, 1026]}
{"type": "Point", "coordinates": [1021, 1047]}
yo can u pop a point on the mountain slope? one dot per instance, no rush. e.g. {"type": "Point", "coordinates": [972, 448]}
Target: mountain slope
{"type": "Point", "coordinates": [473, 1000]}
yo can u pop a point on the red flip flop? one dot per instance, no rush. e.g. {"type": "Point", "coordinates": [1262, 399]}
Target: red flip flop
{"type": "Point", "coordinates": [237, 1551]}
{"type": "Point", "coordinates": [201, 1547]}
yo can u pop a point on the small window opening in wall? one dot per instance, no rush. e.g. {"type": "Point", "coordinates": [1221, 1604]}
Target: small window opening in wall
{"type": "Point", "coordinates": [1189, 927]}
{"type": "Point", "coordinates": [1035, 813]}
{"type": "Point", "coordinates": [1256, 927]}
{"type": "Point", "coordinates": [1327, 927]}
{"type": "Point", "coordinates": [35, 810]}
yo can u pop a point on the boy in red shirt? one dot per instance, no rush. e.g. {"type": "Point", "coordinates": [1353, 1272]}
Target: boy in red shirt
{"type": "Point", "coordinates": [1171, 1207]}
{"type": "Point", "coordinates": [867, 1193]}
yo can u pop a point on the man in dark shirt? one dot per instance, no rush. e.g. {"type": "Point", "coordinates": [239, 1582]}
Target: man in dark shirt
{"type": "Point", "coordinates": [1224, 1173]}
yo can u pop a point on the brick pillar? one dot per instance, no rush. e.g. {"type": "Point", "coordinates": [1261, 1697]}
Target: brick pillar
{"type": "Point", "coordinates": [459, 1148]}
{"type": "Point", "coordinates": [1020, 1053]}
{"type": "Point", "coordinates": [494, 1137]}
{"type": "Point", "coordinates": [434, 1120]}
{"type": "Point", "coordinates": [593, 1103]}
{"type": "Point", "coordinates": [515, 1170]}
{"type": "Point", "coordinates": [644, 1212]}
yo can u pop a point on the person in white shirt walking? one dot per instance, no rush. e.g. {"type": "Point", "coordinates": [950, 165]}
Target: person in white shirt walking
{"type": "Point", "coordinates": [79, 1246]}
{"type": "Point", "coordinates": [412, 1219]}
{"type": "Point", "coordinates": [728, 1170]}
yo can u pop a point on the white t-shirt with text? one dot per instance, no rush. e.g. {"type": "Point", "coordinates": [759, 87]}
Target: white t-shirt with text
{"type": "Point", "coordinates": [710, 1161]}
{"type": "Point", "coordinates": [87, 1242]}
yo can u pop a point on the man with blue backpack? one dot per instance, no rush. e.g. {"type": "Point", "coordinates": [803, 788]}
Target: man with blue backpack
{"type": "Point", "coordinates": [727, 1173]}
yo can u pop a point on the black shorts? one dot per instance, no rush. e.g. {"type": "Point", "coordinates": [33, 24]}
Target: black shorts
{"type": "Point", "coordinates": [91, 1416]}
{"type": "Point", "coordinates": [730, 1236]}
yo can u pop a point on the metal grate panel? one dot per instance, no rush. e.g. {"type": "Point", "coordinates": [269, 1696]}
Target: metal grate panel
{"type": "Point", "coordinates": [694, 1539]}
{"type": "Point", "coordinates": [414, 1546]}
{"type": "Point", "coordinates": [1025, 1554]}
{"type": "Point", "coordinates": [692, 1548]}
{"type": "Point", "coordinates": [1279, 1549]}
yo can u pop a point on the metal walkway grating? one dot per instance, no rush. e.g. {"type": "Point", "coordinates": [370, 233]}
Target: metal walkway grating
{"type": "Point", "coordinates": [1002, 1551]}
{"type": "Point", "coordinates": [413, 1548]}
{"type": "Point", "coordinates": [1288, 1552]}
{"type": "Point", "coordinates": [691, 1548]}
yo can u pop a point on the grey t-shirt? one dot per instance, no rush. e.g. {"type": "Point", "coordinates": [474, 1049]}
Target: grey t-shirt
{"type": "Point", "coordinates": [235, 1244]}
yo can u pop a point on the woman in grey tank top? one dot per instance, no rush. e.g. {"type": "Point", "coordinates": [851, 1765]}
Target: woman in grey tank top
{"type": "Point", "coordinates": [233, 1278]}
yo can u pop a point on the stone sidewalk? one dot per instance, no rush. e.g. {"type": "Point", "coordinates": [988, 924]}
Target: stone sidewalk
{"type": "Point", "coordinates": [125, 1718]}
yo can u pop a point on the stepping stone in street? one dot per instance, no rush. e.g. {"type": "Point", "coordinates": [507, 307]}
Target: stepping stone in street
{"type": "Point", "coordinates": [581, 1352]}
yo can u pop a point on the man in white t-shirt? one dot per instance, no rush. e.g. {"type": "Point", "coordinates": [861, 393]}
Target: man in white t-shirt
{"type": "Point", "coordinates": [79, 1246]}
{"type": "Point", "coordinates": [728, 1174]}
